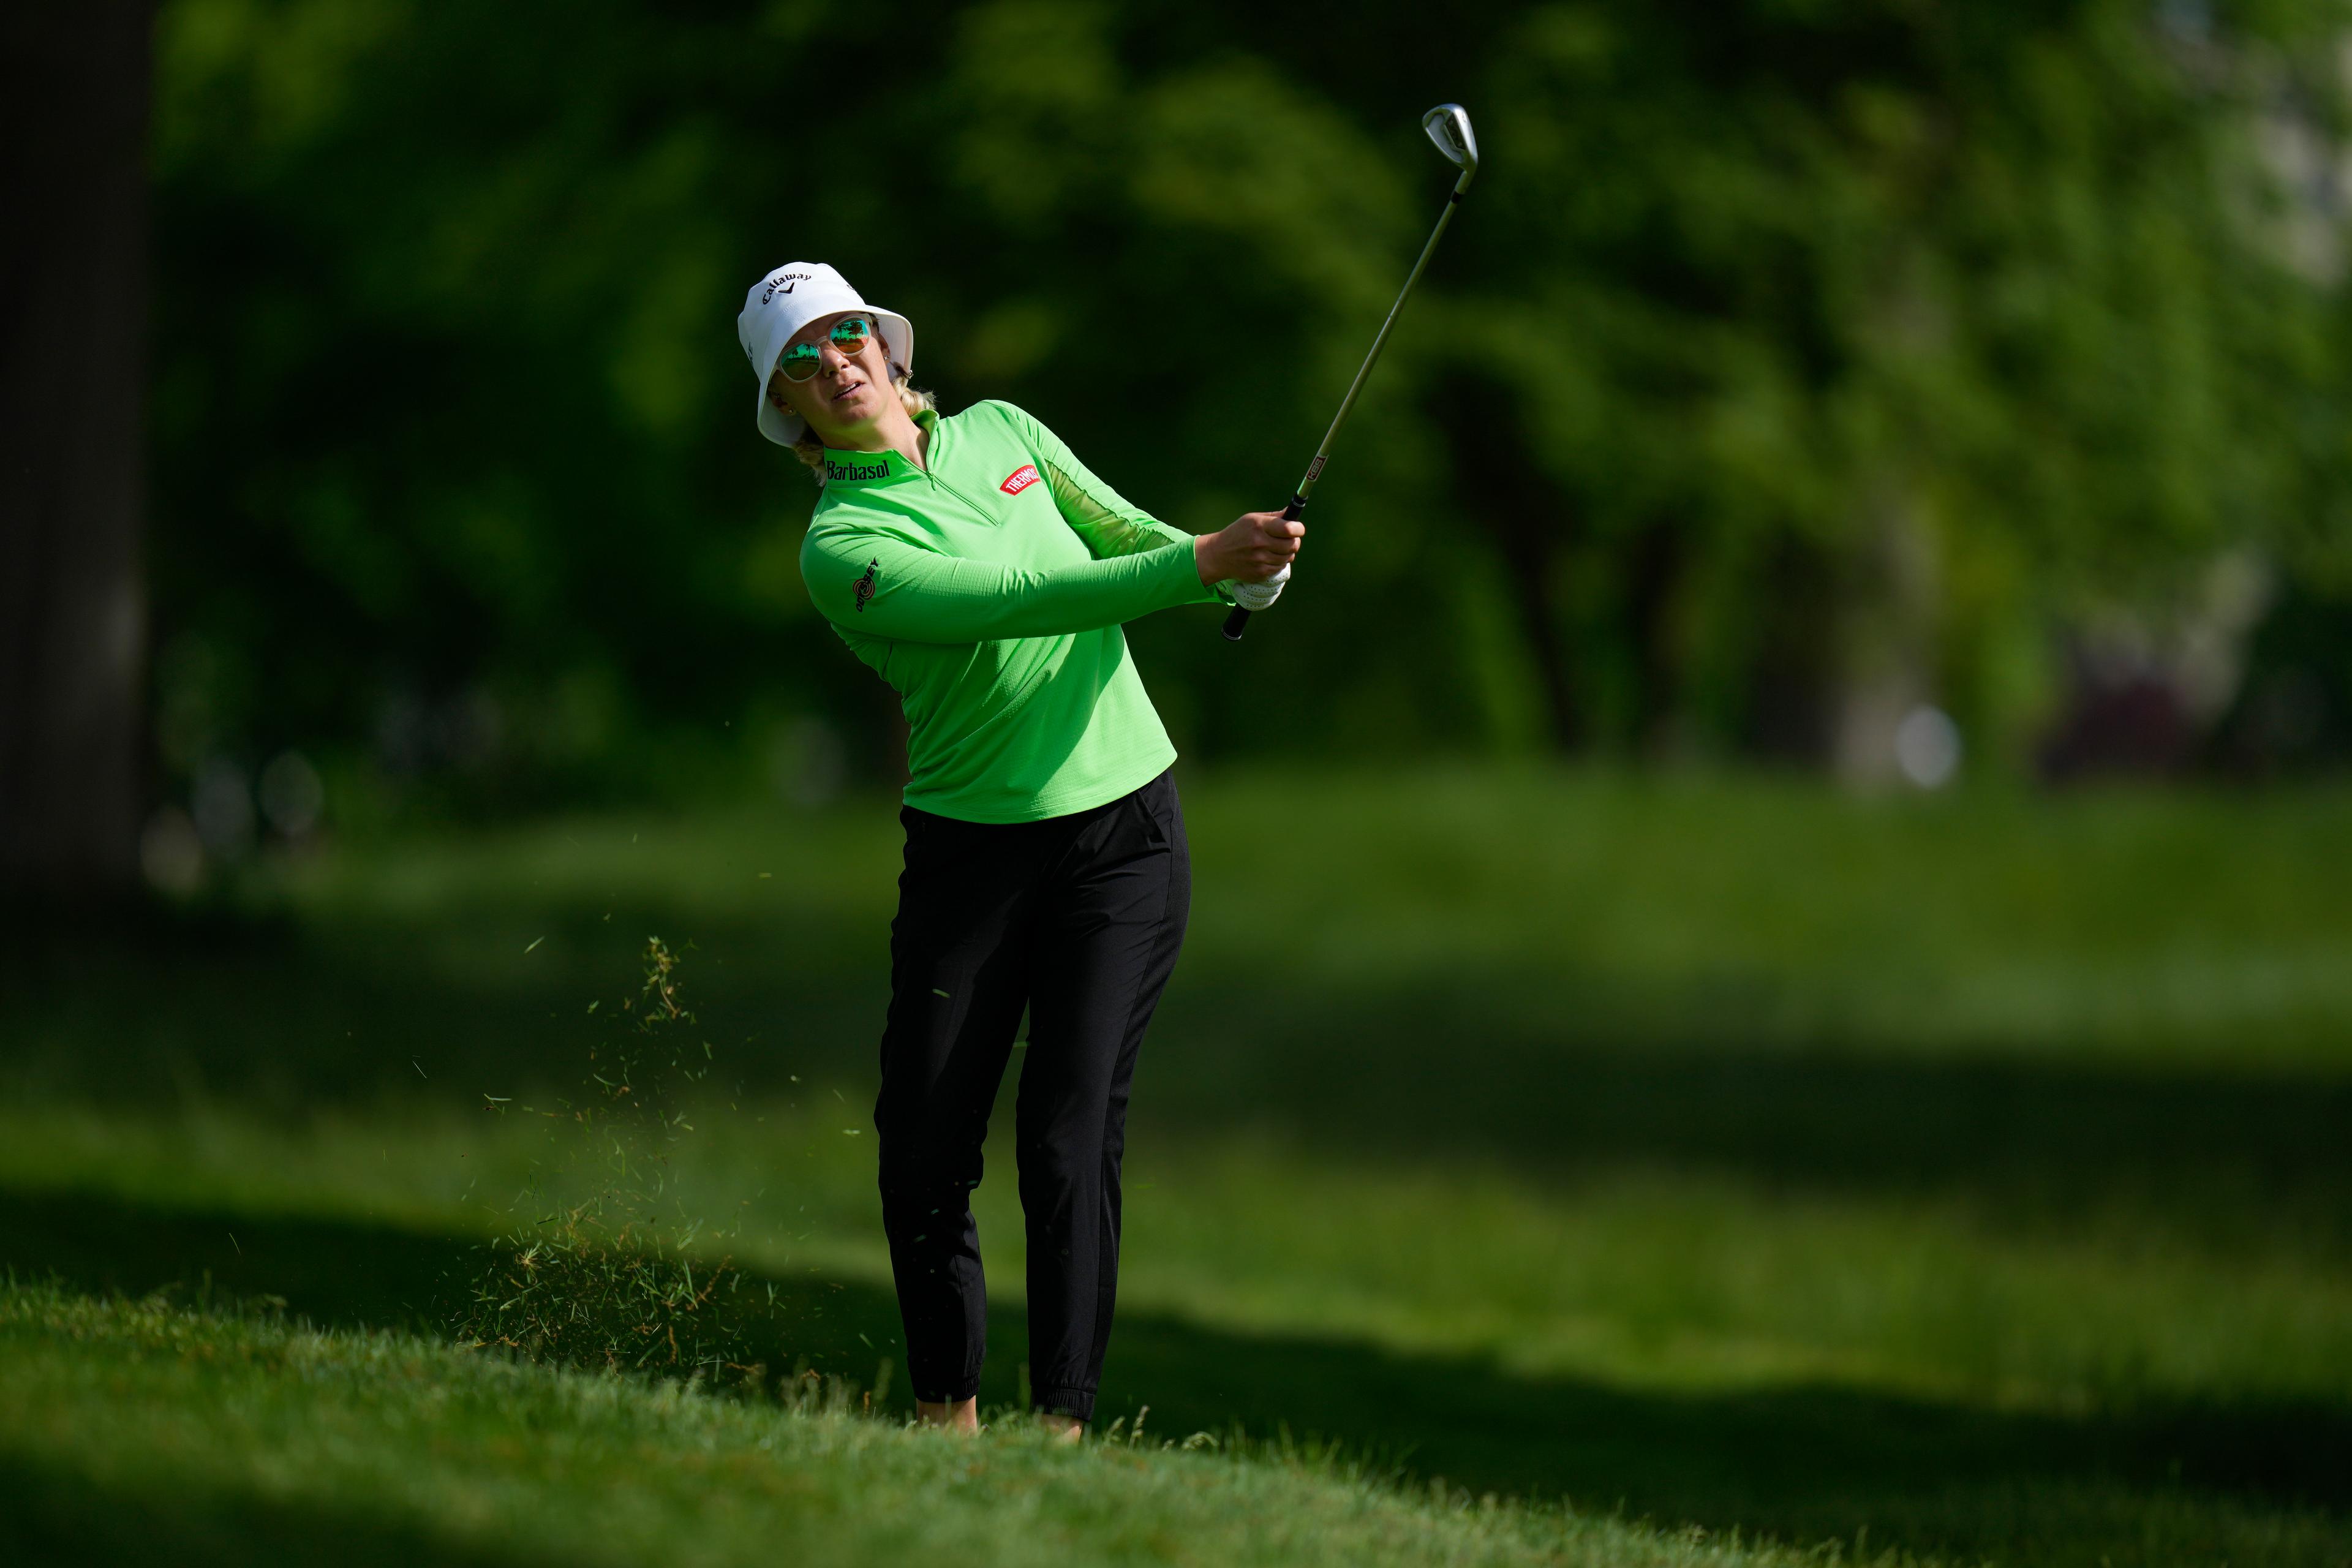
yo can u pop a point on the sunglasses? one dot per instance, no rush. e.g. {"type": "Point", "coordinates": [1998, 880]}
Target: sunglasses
{"type": "Point", "coordinates": [849, 336]}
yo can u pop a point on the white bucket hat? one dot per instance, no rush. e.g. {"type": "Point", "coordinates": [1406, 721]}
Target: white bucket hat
{"type": "Point", "coordinates": [788, 299]}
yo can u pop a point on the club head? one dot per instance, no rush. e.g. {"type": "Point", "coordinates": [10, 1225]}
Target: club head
{"type": "Point", "coordinates": [1449, 126]}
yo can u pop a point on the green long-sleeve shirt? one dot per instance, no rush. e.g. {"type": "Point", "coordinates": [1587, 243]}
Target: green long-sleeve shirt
{"type": "Point", "coordinates": [988, 588]}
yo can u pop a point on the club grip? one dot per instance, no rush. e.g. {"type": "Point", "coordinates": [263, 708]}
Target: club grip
{"type": "Point", "coordinates": [1238, 622]}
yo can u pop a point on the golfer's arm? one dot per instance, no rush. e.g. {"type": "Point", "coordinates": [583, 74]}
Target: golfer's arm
{"type": "Point", "coordinates": [886, 588]}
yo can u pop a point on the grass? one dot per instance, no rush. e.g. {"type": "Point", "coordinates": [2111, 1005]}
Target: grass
{"type": "Point", "coordinates": [142, 1429]}
{"type": "Point", "coordinates": [1964, 1176]}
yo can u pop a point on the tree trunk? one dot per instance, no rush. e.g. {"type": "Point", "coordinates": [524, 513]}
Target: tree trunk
{"type": "Point", "coordinates": [1526, 518]}
{"type": "Point", "coordinates": [1653, 574]}
{"type": "Point", "coordinates": [1887, 633]}
{"type": "Point", "coordinates": [74, 78]}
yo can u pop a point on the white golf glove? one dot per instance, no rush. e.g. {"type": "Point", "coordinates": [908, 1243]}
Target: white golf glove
{"type": "Point", "coordinates": [1257, 597]}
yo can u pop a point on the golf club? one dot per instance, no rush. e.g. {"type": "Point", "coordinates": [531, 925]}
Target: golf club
{"type": "Point", "coordinates": [1449, 126]}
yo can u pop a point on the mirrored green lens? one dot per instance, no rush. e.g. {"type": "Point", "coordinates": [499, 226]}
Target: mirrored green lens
{"type": "Point", "coordinates": [799, 361]}
{"type": "Point", "coordinates": [848, 336]}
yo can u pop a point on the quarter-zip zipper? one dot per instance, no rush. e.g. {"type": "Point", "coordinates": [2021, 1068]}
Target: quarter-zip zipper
{"type": "Point", "coordinates": [931, 472]}
{"type": "Point", "coordinates": [986, 516]}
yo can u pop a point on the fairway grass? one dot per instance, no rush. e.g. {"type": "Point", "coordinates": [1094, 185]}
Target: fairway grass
{"type": "Point", "coordinates": [1800, 1367]}
{"type": "Point", "coordinates": [1966, 1177]}
{"type": "Point", "coordinates": [144, 1431]}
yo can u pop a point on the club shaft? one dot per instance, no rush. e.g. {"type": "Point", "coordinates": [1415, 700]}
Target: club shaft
{"type": "Point", "coordinates": [1347, 403]}
{"type": "Point", "coordinates": [1239, 619]}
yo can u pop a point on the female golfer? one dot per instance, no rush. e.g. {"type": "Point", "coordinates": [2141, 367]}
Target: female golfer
{"type": "Point", "coordinates": [983, 572]}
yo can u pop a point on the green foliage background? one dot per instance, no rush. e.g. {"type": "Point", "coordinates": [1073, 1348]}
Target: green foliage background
{"type": "Point", "coordinates": [1785, 346]}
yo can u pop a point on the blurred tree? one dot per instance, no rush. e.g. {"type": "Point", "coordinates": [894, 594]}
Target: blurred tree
{"type": "Point", "coordinates": [73, 360]}
{"type": "Point", "coordinates": [1867, 335]}
{"type": "Point", "coordinates": [1791, 363]}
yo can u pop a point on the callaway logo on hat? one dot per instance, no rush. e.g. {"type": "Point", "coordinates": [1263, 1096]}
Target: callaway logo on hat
{"type": "Point", "coordinates": [788, 299]}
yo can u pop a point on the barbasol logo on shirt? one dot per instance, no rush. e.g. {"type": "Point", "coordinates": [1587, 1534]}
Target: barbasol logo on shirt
{"type": "Point", "coordinates": [1019, 479]}
{"type": "Point", "coordinates": [877, 471]}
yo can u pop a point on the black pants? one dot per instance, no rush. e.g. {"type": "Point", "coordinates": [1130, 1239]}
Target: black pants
{"type": "Point", "coordinates": [1079, 920]}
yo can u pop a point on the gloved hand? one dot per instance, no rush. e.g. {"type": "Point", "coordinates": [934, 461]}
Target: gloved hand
{"type": "Point", "coordinates": [1257, 597]}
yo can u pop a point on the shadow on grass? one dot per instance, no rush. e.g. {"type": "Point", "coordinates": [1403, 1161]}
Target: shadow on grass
{"type": "Point", "coordinates": [1803, 1463]}
{"type": "Point", "coordinates": [1421, 1072]}
{"type": "Point", "coordinates": [57, 1516]}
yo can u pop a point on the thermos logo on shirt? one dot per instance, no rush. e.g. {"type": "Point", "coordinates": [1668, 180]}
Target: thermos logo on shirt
{"type": "Point", "coordinates": [1019, 479]}
{"type": "Point", "coordinates": [864, 590]}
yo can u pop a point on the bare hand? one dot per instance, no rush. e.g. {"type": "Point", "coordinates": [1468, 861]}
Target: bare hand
{"type": "Point", "coordinates": [1250, 549]}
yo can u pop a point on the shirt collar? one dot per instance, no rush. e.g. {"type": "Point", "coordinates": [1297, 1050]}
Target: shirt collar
{"type": "Point", "coordinates": [875, 467]}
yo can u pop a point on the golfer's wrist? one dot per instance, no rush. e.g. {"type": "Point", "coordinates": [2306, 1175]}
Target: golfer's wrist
{"type": "Point", "coordinates": [1208, 560]}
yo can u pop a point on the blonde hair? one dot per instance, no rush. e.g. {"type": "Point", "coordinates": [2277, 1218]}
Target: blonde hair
{"type": "Point", "coordinates": [810, 448]}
